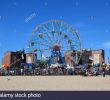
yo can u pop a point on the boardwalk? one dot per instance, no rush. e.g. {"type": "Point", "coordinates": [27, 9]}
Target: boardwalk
{"type": "Point", "coordinates": [72, 83]}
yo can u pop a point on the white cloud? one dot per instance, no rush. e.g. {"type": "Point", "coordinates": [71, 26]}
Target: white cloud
{"type": "Point", "coordinates": [106, 45]}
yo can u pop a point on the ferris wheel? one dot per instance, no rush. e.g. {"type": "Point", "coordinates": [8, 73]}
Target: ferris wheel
{"type": "Point", "coordinates": [54, 35]}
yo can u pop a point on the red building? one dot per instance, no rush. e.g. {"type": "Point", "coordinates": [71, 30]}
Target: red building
{"type": "Point", "coordinates": [92, 57]}
{"type": "Point", "coordinates": [95, 57]}
{"type": "Point", "coordinates": [11, 57]}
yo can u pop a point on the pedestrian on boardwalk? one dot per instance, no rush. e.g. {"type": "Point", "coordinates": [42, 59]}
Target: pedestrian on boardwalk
{"type": "Point", "coordinates": [103, 72]}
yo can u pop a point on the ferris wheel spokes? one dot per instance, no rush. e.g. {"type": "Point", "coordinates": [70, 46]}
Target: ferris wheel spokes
{"type": "Point", "coordinates": [41, 35]}
{"type": "Point", "coordinates": [47, 32]}
{"type": "Point", "coordinates": [55, 35]}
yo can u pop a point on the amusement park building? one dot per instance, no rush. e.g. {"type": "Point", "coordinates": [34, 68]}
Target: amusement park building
{"type": "Point", "coordinates": [10, 57]}
{"type": "Point", "coordinates": [69, 58]}
{"type": "Point", "coordinates": [98, 56]}
{"type": "Point", "coordinates": [95, 57]}
{"type": "Point", "coordinates": [92, 57]}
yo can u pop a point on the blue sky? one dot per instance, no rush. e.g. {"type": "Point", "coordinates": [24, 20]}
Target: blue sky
{"type": "Point", "coordinates": [90, 17]}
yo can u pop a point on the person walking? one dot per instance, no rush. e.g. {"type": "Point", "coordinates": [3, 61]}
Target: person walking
{"type": "Point", "coordinates": [103, 72]}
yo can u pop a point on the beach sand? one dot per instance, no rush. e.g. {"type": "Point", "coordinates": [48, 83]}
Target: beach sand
{"type": "Point", "coordinates": [55, 83]}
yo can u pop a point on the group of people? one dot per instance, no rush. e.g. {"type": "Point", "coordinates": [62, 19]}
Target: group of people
{"type": "Point", "coordinates": [59, 70]}
{"type": "Point", "coordinates": [95, 72]}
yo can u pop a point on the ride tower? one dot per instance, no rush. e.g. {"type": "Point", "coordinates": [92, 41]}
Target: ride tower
{"type": "Point", "coordinates": [56, 56]}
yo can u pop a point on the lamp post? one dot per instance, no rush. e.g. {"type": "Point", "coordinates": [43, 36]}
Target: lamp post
{"type": "Point", "coordinates": [35, 57]}
{"type": "Point", "coordinates": [76, 57]}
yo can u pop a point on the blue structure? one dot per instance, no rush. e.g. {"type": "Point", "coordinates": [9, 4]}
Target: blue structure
{"type": "Point", "coordinates": [56, 55]}
{"type": "Point", "coordinates": [54, 35]}
{"type": "Point", "coordinates": [27, 65]}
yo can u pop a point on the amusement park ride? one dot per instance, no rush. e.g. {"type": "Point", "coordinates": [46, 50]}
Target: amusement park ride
{"type": "Point", "coordinates": [58, 44]}
{"type": "Point", "coordinates": [53, 39]}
